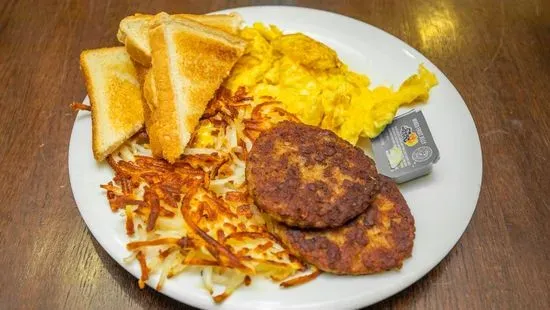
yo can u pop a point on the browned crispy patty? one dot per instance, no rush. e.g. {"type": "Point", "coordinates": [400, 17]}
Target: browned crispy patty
{"type": "Point", "coordinates": [309, 177]}
{"type": "Point", "coordinates": [377, 240]}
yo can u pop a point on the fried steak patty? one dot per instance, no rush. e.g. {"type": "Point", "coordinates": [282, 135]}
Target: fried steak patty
{"type": "Point", "coordinates": [308, 177]}
{"type": "Point", "coordinates": [377, 240]}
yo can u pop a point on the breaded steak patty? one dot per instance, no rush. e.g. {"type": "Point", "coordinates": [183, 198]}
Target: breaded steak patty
{"type": "Point", "coordinates": [377, 240]}
{"type": "Point", "coordinates": [308, 177]}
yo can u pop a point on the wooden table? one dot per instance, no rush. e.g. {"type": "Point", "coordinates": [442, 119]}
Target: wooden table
{"type": "Point", "coordinates": [497, 53]}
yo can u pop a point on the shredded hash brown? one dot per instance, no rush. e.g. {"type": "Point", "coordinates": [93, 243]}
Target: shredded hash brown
{"type": "Point", "coordinates": [196, 214]}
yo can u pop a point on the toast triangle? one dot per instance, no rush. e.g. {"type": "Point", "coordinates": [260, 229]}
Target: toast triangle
{"type": "Point", "coordinates": [189, 63]}
{"type": "Point", "coordinates": [115, 96]}
{"type": "Point", "coordinates": [133, 31]}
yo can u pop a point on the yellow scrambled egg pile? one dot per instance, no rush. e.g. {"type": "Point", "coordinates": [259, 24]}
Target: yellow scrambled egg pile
{"type": "Point", "coordinates": [311, 82]}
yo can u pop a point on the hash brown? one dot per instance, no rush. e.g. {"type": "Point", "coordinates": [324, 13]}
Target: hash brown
{"type": "Point", "coordinates": [377, 240]}
{"type": "Point", "coordinates": [308, 177]}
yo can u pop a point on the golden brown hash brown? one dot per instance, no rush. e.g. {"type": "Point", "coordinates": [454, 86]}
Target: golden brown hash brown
{"type": "Point", "coordinates": [196, 213]}
{"type": "Point", "coordinates": [378, 240]}
{"type": "Point", "coordinates": [308, 177]}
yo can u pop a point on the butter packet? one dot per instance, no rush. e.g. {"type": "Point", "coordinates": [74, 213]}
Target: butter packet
{"type": "Point", "coordinates": [405, 150]}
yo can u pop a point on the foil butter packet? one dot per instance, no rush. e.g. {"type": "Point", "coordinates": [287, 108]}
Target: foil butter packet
{"type": "Point", "coordinates": [405, 150]}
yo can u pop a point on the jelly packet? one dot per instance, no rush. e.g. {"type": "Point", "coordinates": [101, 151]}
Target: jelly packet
{"type": "Point", "coordinates": [405, 150]}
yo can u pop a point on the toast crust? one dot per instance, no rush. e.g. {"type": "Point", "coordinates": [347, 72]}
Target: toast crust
{"type": "Point", "coordinates": [149, 106]}
{"type": "Point", "coordinates": [99, 156]}
{"type": "Point", "coordinates": [229, 23]}
{"type": "Point", "coordinates": [165, 117]}
{"type": "Point", "coordinates": [137, 52]}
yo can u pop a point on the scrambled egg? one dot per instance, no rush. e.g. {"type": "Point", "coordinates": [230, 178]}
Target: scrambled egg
{"type": "Point", "coordinates": [312, 83]}
{"type": "Point", "coordinates": [205, 136]}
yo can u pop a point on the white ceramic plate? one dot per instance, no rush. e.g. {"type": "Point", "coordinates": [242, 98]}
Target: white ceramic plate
{"type": "Point", "coordinates": [442, 203]}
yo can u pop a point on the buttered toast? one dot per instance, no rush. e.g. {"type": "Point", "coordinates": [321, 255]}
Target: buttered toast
{"type": "Point", "coordinates": [189, 63]}
{"type": "Point", "coordinates": [133, 31]}
{"type": "Point", "coordinates": [115, 95]}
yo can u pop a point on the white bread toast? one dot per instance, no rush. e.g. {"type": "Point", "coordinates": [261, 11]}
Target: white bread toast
{"type": "Point", "coordinates": [189, 63]}
{"type": "Point", "coordinates": [133, 31]}
{"type": "Point", "coordinates": [150, 96]}
{"type": "Point", "coordinates": [145, 78]}
{"type": "Point", "coordinates": [115, 96]}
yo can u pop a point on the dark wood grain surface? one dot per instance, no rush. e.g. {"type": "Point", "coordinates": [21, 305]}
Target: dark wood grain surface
{"type": "Point", "coordinates": [496, 53]}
